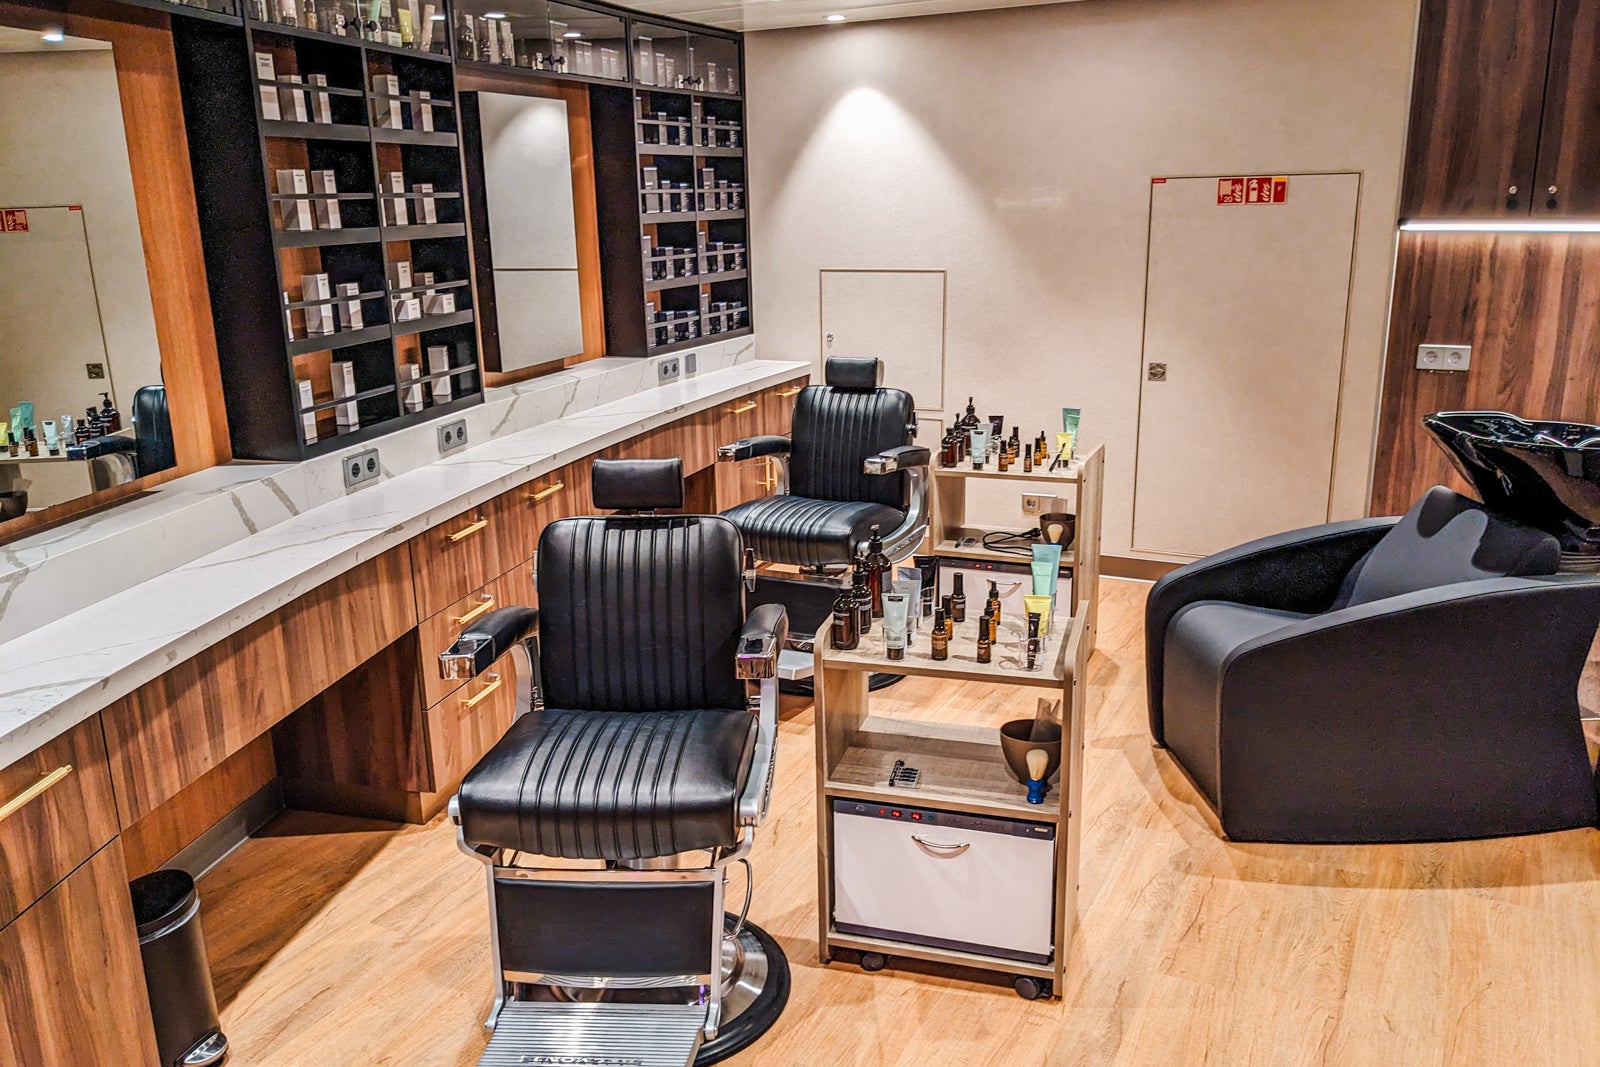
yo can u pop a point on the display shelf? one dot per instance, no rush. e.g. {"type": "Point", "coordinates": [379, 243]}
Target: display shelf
{"type": "Point", "coordinates": [300, 305]}
{"type": "Point", "coordinates": [428, 288]}
{"type": "Point", "coordinates": [1006, 667]}
{"type": "Point", "coordinates": [723, 276]}
{"type": "Point", "coordinates": [424, 231]}
{"type": "Point", "coordinates": [312, 131]}
{"type": "Point", "coordinates": [1069, 474]}
{"type": "Point", "coordinates": [323, 196]}
{"type": "Point", "coordinates": [410, 98]}
{"type": "Point", "coordinates": [332, 342]}
{"type": "Point", "coordinates": [655, 285]}
{"type": "Point", "coordinates": [354, 235]}
{"type": "Point", "coordinates": [290, 30]}
{"type": "Point", "coordinates": [696, 342]}
{"type": "Point", "coordinates": [331, 90]}
{"type": "Point", "coordinates": [432, 322]}
{"type": "Point", "coordinates": [735, 213]}
{"type": "Point", "coordinates": [950, 546]}
{"type": "Point", "coordinates": [961, 767]}
{"type": "Point", "coordinates": [656, 218]}
{"type": "Point", "coordinates": [333, 402]}
{"type": "Point", "coordinates": [433, 138]}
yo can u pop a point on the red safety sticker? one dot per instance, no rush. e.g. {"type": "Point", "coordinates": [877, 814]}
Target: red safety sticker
{"type": "Point", "coordinates": [1255, 189]}
{"type": "Point", "coordinates": [13, 220]}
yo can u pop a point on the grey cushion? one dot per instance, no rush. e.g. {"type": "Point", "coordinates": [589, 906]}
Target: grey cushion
{"type": "Point", "coordinates": [1446, 538]}
{"type": "Point", "coordinates": [1199, 639]}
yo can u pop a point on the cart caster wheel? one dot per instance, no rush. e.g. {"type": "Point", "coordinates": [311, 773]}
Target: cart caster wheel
{"type": "Point", "coordinates": [873, 961]}
{"type": "Point", "coordinates": [1031, 988]}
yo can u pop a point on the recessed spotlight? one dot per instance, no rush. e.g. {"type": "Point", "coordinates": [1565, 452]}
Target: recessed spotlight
{"type": "Point", "coordinates": [437, 18]}
{"type": "Point", "coordinates": [53, 36]}
{"type": "Point", "coordinates": [834, 18]}
{"type": "Point", "coordinates": [572, 34]}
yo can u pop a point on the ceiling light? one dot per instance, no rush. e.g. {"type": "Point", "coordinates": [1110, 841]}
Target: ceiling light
{"type": "Point", "coordinates": [1509, 226]}
{"type": "Point", "coordinates": [53, 36]}
{"type": "Point", "coordinates": [494, 14]}
{"type": "Point", "coordinates": [437, 18]}
{"type": "Point", "coordinates": [570, 34]}
{"type": "Point", "coordinates": [834, 18]}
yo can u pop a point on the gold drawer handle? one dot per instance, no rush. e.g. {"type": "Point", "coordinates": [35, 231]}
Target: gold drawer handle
{"type": "Point", "coordinates": [742, 408]}
{"type": "Point", "coordinates": [488, 602]}
{"type": "Point", "coordinates": [467, 531]}
{"type": "Point", "coordinates": [786, 393]}
{"type": "Point", "coordinates": [21, 800]}
{"type": "Point", "coordinates": [549, 491]}
{"type": "Point", "coordinates": [495, 682]}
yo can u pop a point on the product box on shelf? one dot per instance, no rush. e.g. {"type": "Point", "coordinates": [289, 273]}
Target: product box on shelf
{"type": "Point", "coordinates": [422, 112]}
{"type": "Point", "coordinates": [321, 103]}
{"type": "Point", "coordinates": [427, 205]}
{"type": "Point", "coordinates": [308, 419]}
{"type": "Point", "coordinates": [292, 99]}
{"type": "Point", "coordinates": [405, 309]}
{"type": "Point", "coordinates": [399, 274]}
{"type": "Point", "coordinates": [438, 362]}
{"type": "Point", "coordinates": [325, 185]}
{"type": "Point", "coordinates": [295, 214]}
{"type": "Point", "coordinates": [266, 68]}
{"type": "Point", "coordinates": [410, 395]}
{"type": "Point", "coordinates": [386, 112]}
{"type": "Point", "coordinates": [350, 317]}
{"type": "Point", "coordinates": [343, 372]}
{"type": "Point", "coordinates": [396, 210]}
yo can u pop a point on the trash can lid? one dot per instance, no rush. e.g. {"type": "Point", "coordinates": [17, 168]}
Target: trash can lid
{"type": "Point", "coordinates": [159, 897]}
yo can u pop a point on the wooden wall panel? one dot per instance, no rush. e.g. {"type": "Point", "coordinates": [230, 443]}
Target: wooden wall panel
{"type": "Point", "coordinates": [1527, 303]}
{"type": "Point", "coordinates": [162, 834]}
{"type": "Point", "coordinates": [169, 732]}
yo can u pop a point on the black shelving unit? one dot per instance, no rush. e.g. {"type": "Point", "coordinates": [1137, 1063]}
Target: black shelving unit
{"type": "Point", "coordinates": [255, 264]}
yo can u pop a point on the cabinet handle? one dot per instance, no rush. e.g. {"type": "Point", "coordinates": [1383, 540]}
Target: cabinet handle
{"type": "Point", "coordinates": [495, 682]}
{"type": "Point", "coordinates": [487, 603]}
{"type": "Point", "coordinates": [939, 846]}
{"type": "Point", "coordinates": [21, 800]}
{"type": "Point", "coordinates": [467, 531]}
{"type": "Point", "coordinates": [548, 491]}
{"type": "Point", "coordinates": [1552, 190]}
{"type": "Point", "coordinates": [1511, 191]}
{"type": "Point", "coordinates": [786, 393]}
{"type": "Point", "coordinates": [742, 408]}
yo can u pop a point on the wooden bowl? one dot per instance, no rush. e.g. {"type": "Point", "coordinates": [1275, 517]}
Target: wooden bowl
{"type": "Point", "coordinates": [1015, 744]}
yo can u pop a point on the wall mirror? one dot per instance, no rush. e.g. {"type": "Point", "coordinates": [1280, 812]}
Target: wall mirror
{"type": "Point", "coordinates": [81, 386]}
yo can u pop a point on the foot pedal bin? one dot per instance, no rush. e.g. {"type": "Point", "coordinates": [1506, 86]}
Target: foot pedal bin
{"type": "Point", "coordinates": [595, 1035]}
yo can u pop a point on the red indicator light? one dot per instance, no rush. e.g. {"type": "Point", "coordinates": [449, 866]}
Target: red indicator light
{"type": "Point", "coordinates": [916, 815]}
{"type": "Point", "coordinates": [896, 814]}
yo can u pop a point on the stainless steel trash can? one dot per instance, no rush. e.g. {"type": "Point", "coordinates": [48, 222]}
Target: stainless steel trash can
{"type": "Point", "coordinates": [166, 907]}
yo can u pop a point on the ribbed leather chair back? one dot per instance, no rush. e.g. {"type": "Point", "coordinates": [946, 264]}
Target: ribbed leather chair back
{"type": "Point", "coordinates": [835, 430]}
{"type": "Point", "coordinates": [154, 430]}
{"type": "Point", "coordinates": [640, 613]}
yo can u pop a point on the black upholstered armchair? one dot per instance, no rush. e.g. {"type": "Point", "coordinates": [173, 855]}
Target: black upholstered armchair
{"type": "Point", "coordinates": [148, 451]}
{"type": "Point", "coordinates": [645, 741]}
{"type": "Point", "coordinates": [1379, 680]}
{"type": "Point", "coordinates": [847, 466]}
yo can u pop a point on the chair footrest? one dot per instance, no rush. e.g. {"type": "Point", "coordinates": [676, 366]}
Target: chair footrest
{"type": "Point", "coordinates": [649, 1035]}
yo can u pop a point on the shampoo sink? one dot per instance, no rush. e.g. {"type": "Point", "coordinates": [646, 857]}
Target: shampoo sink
{"type": "Point", "coordinates": [1546, 474]}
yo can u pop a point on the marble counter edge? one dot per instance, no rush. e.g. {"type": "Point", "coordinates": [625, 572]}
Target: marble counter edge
{"type": "Point", "coordinates": [51, 684]}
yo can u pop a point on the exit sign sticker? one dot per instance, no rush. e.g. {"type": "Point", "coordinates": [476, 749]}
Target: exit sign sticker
{"type": "Point", "coordinates": [1257, 189]}
{"type": "Point", "coordinates": [13, 220]}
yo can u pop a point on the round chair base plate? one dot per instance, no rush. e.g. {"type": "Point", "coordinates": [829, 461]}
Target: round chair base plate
{"type": "Point", "coordinates": [753, 996]}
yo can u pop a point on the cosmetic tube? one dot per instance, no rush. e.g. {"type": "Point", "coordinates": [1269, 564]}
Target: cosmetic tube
{"type": "Point", "coordinates": [1034, 642]}
{"type": "Point", "coordinates": [1039, 606]}
{"type": "Point", "coordinates": [896, 611]}
{"type": "Point", "coordinates": [52, 443]}
{"type": "Point", "coordinates": [980, 445]}
{"type": "Point", "coordinates": [1044, 578]}
{"type": "Point", "coordinates": [928, 569]}
{"type": "Point", "coordinates": [911, 589]}
{"type": "Point", "coordinates": [1049, 555]}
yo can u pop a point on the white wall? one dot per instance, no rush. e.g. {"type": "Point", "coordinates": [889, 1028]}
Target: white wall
{"type": "Point", "coordinates": [62, 142]}
{"type": "Point", "coordinates": [1014, 150]}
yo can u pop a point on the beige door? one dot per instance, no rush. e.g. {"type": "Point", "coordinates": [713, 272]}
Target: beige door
{"type": "Point", "coordinates": [1243, 349]}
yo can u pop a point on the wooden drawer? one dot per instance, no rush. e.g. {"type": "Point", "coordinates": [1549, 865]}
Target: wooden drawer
{"type": "Point", "coordinates": [60, 812]}
{"type": "Point", "coordinates": [461, 728]}
{"type": "Point", "coordinates": [530, 508]}
{"type": "Point", "coordinates": [436, 633]}
{"type": "Point", "coordinates": [71, 984]}
{"type": "Point", "coordinates": [458, 556]}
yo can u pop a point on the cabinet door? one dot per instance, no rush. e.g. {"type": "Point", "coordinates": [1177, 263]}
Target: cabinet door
{"type": "Point", "coordinates": [1475, 108]}
{"type": "Point", "coordinates": [71, 983]}
{"type": "Point", "coordinates": [1568, 179]}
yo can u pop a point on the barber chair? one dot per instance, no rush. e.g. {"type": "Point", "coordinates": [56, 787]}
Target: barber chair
{"type": "Point", "coordinates": [633, 776]}
{"type": "Point", "coordinates": [118, 458]}
{"type": "Point", "coordinates": [848, 465]}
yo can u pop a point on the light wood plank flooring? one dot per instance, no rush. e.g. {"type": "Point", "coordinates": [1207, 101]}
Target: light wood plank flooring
{"type": "Point", "coordinates": [340, 941]}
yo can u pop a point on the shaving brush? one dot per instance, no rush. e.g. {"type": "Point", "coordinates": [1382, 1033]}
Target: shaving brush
{"type": "Point", "coordinates": [1038, 760]}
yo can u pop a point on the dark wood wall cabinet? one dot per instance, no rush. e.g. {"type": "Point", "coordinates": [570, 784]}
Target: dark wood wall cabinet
{"type": "Point", "coordinates": [1505, 114]}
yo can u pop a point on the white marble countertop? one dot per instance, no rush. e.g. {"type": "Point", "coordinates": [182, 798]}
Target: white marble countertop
{"type": "Point", "coordinates": [63, 672]}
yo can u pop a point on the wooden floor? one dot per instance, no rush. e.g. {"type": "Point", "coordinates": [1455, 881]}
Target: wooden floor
{"type": "Point", "coordinates": [345, 942]}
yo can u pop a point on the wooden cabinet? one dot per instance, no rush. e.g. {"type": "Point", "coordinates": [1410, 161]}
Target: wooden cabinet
{"type": "Point", "coordinates": [1505, 110]}
{"type": "Point", "coordinates": [71, 983]}
{"type": "Point", "coordinates": [61, 813]}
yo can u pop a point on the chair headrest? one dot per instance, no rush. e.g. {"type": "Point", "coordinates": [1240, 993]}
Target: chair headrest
{"type": "Point", "coordinates": [637, 484]}
{"type": "Point", "coordinates": [853, 373]}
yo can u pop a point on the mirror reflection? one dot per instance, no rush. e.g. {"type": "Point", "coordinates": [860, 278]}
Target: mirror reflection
{"type": "Point", "coordinates": [81, 394]}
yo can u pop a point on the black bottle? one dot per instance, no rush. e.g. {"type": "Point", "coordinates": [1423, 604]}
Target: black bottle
{"type": "Point", "coordinates": [877, 571]}
{"type": "Point", "coordinates": [985, 640]}
{"type": "Point", "coordinates": [992, 610]}
{"type": "Point", "coordinates": [941, 639]}
{"type": "Point", "coordinates": [862, 594]}
{"type": "Point", "coordinates": [11, 444]}
{"type": "Point", "coordinates": [109, 414]}
{"type": "Point", "coordinates": [845, 635]}
{"type": "Point", "coordinates": [958, 600]}
{"type": "Point", "coordinates": [31, 441]}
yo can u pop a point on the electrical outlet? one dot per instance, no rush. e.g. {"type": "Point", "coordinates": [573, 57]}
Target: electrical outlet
{"type": "Point", "coordinates": [1444, 357]}
{"type": "Point", "coordinates": [1033, 504]}
{"type": "Point", "coordinates": [452, 435]}
{"type": "Point", "coordinates": [361, 468]}
{"type": "Point", "coordinates": [667, 370]}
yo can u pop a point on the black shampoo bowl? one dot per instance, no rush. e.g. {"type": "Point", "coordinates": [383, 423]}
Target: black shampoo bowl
{"type": "Point", "coordinates": [1544, 474]}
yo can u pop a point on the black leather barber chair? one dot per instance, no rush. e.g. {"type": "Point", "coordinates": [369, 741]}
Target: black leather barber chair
{"type": "Point", "coordinates": [147, 451]}
{"type": "Point", "coordinates": [634, 775]}
{"type": "Point", "coordinates": [847, 466]}
{"type": "Point", "coordinates": [1410, 679]}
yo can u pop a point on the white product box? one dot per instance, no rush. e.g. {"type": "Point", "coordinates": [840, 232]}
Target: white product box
{"type": "Point", "coordinates": [308, 419]}
{"type": "Point", "coordinates": [647, 62]}
{"type": "Point", "coordinates": [439, 303]}
{"type": "Point", "coordinates": [321, 103]}
{"type": "Point", "coordinates": [350, 317]}
{"type": "Point", "coordinates": [508, 43]}
{"type": "Point", "coordinates": [322, 182]}
{"type": "Point", "coordinates": [405, 309]}
{"type": "Point", "coordinates": [291, 182]}
{"type": "Point", "coordinates": [266, 70]}
{"type": "Point", "coordinates": [396, 209]}
{"type": "Point", "coordinates": [343, 373]}
{"type": "Point", "coordinates": [490, 38]}
{"type": "Point", "coordinates": [400, 274]}
{"type": "Point", "coordinates": [386, 112]}
{"type": "Point", "coordinates": [315, 287]}
{"type": "Point", "coordinates": [297, 215]}
{"type": "Point", "coordinates": [428, 205]}
{"type": "Point", "coordinates": [391, 33]}
{"type": "Point", "coordinates": [320, 320]}
{"type": "Point", "coordinates": [439, 360]}
{"type": "Point", "coordinates": [422, 112]}
{"type": "Point", "coordinates": [293, 100]}
{"type": "Point", "coordinates": [269, 103]}
{"type": "Point", "coordinates": [425, 27]}
{"type": "Point", "coordinates": [411, 395]}
{"type": "Point", "coordinates": [661, 70]}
